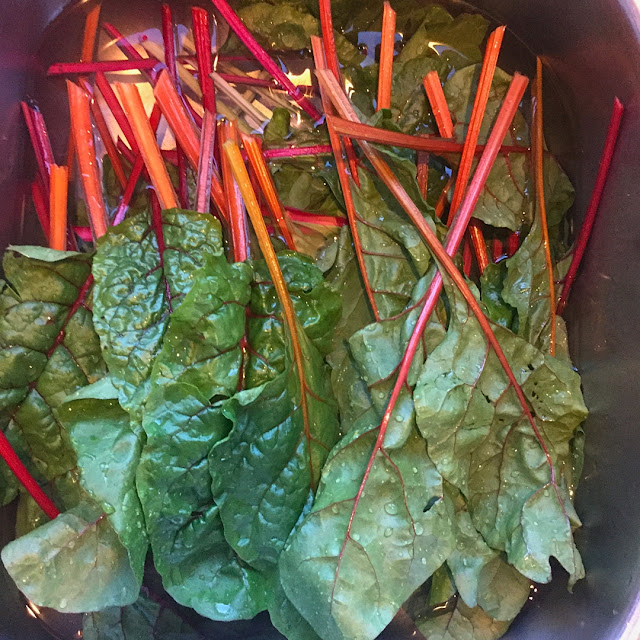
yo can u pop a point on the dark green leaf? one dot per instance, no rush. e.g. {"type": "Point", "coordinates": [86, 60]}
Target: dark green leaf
{"type": "Point", "coordinates": [491, 288]}
{"type": "Point", "coordinates": [348, 576]}
{"type": "Point", "coordinates": [264, 471]}
{"type": "Point", "coordinates": [74, 563]}
{"type": "Point", "coordinates": [482, 444]}
{"type": "Point", "coordinates": [145, 619]}
{"type": "Point", "coordinates": [133, 285]}
{"type": "Point", "coordinates": [48, 349]}
{"type": "Point", "coordinates": [197, 566]}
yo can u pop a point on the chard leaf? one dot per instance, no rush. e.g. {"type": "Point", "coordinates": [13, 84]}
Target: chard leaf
{"type": "Point", "coordinates": [197, 566]}
{"type": "Point", "coordinates": [526, 288]}
{"type": "Point", "coordinates": [287, 619]}
{"type": "Point", "coordinates": [48, 349]}
{"type": "Point", "coordinates": [481, 575]}
{"type": "Point", "coordinates": [265, 470]}
{"type": "Point", "coordinates": [108, 454]}
{"type": "Point", "coordinates": [482, 444]}
{"type": "Point", "coordinates": [457, 622]}
{"type": "Point", "coordinates": [145, 619]}
{"type": "Point", "coordinates": [363, 550]}
{"type": "Point", "coordinates": [317, 307]}
{"type": "Point", "coordinates": [137, 288]}
{"type": "Point", "coordinates": [491, 288]}
{"type": "Point", "coordinates": [54, 564]}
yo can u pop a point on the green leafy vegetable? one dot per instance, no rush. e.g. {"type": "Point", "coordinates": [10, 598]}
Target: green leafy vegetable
{"type": "Point", "coordinates": [136, 289]}
{"type": "Point", "coordinates": [359, 554]}
{"type": "Point", "coordinates": [480, 442]}
{"type": "Point", "coordinates": [145, 619]}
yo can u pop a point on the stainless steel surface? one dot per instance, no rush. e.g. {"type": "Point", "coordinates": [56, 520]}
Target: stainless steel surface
{"type": "Point", "coordinates": [593, 47]}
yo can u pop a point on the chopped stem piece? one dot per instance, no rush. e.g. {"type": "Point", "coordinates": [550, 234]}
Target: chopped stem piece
{"type": "Point", "coordinates": [40, 203]}
{"type": "Point", "coordinates": [467, 256]}
{"type": "Point", "coordinates": [116, 109]}
{"type": "Point", "coordinates": [254, 118]}
{"type": "Point", "coordinates": [306, 217]}
{"type": "Point", "coordinates": [228, 132]}
{"type": "Point", "coordinates": [39, 138]}
{"type": "Point", "coordinates": [136, 172]}
{"type": "Point", "coordinates": [205, 165]}
{"type": "Point", "coordinates": [497, 250]}
{"type": "Point", "coordinates": [293, 152]}
{"type": "Point", "coordinates": [58, 207]}
{"type": "Point", "coordinates": [169, 40]}
{"type": "Point", "coordinates": [422, 172]}
{"type": "Point", "coordinates": [183, 129]}
{"type": "Point", "coordinates": [385, 73]}
{"type": "Point", "coordinates": [328, 41]}
{"type": "Point", "coordinates": [79, 106]}
{"type": "Point", "coordinates": [202, 37]}
{"type": "Point", "coordinates": [477, 116]}
{"type": "Point", "coordinates": [479, 244]}
{"type": "Point", "coordinates": [260, 170]}
{"type": "Point", "coordinates": [439, 106]}
{"type": "Point", "coordinates": [538, 164]}
{"type": "Point", "coordinates": [90, 33]}
{"type": "Point", "coordinates": [146, 139]}
{"type": "Point", "coordinates": [366, 132]}
{"type": "Point", "coordinates": [444, 198]}
{"type": "Point", "coordinates": [513, 244]}
{"type": "Point", "coordinates": [14, 463]}
{"type": "Point", "coordinates": [594, 203]}
{"type": "Point", "coordinates": [105, 135]}
{"type": "Point", "coordinates": [245, 36]}
{"type": "Point", "coordinates": [104, 66]}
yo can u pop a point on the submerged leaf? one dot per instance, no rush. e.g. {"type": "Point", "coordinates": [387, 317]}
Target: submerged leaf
{"type": "Point", "coordinates": [54, 564]}
{"type": "Point", "coordinates": [360, 554]}
{"type": "Point", "coordinates": [145, 619]}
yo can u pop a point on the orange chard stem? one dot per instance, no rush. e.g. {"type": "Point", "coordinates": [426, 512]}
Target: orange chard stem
{"type": "Point", "coordinates": [479, 245]}
{"type": "Point", "coordinates": [443, 200]}
{"type": "Point", "coordinates": [146, 140]}
{"type": "Point", "coordinates": [228, 132]}
{"type": "Point", "coordinates": [202, 39]}
{"type": "Point", "coordinates": [90, 34]}
{"type": "Point", "coordinates": [183, 128]}
{"type": "Point", "coordinates": [385, 73]}
{"type": "Point", "coordinates": [205, 165]}
{"type": "Point", "coordinates": [80, 110]}
{"type": "Point", "coordinates": [232, 152]}
{"type": "Point", "coordinates": [538, 162]}
{"type": "Point", "coordinates": [366, 132]}
{"type": "Point", "coordinates": [477, 116]}
{"type": "Point", "coordinates": [253, 147]}
{"type": "Point", "coordinates": [59, 183]}
{"type": "Point", "coordinates": [320, 61]}
{"type": "Point", "coordinates": [439, 106]}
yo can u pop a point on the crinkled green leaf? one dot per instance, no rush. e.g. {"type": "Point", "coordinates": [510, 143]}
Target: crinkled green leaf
{"type": "Point", "coordinates": [108, 454]}
{"type": "Point", "coordinates": [317, 307]}
{"type": "Point", "coordinates": [264, 471]}
{"type": "Point", "coordinates": [74, 563]}
{"type": "Point", "coordinates": [133, 285]}
{"type": "Point", "coordinates": [145, 619]}
{"type": "Point", "coordinates": [48, 349]}
{"type": "Point", "coordinates": [350, 582]}
{"type": "Point", "coordinates": [481, 442]}
{"type": "Point", "coordinates": [198, 567]}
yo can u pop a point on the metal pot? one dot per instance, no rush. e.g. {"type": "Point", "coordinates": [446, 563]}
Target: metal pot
{"type": "Point", "coordinates": [593, 46]}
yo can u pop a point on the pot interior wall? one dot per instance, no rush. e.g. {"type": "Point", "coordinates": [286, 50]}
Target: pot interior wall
{"type": "Point", "coordinates": [593, 48]}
